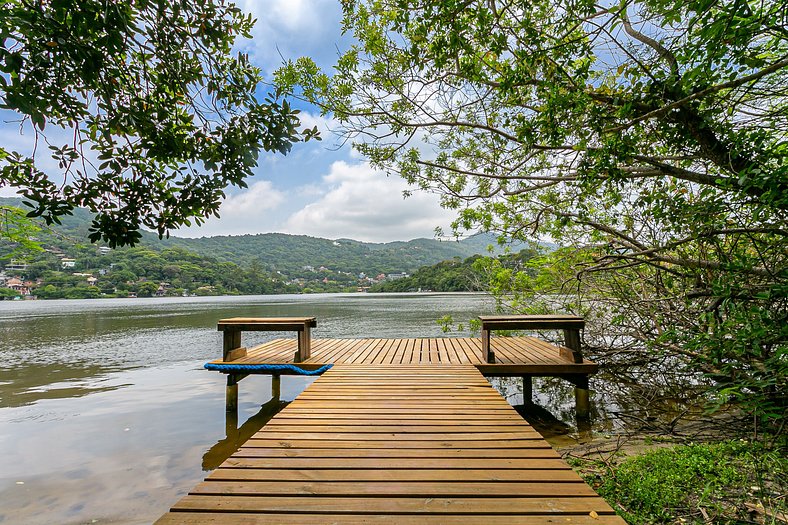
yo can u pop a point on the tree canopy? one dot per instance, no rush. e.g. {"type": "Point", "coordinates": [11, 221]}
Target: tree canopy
{"type": "Point", "coordinates": [149, 114]}
{"type": "Point", "coordinates": [650, 137]}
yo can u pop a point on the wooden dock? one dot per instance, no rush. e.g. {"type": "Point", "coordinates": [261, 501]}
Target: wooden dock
{"type": "Point", "coordinates": [514, 356]}
{"type": "Point", "coordinates": [423, 441]}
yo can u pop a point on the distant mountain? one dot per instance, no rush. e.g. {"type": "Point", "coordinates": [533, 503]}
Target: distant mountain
{"type": "Point", "coordinates": [289, 253]}
{"type": "Point", "coordinates": [279, 251]}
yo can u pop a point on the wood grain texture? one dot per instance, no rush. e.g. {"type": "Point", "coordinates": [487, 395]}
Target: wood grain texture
{"type": "Point", "coordinates": [395, 443]}
{"type": "Point", "coordinates": [514, 356]}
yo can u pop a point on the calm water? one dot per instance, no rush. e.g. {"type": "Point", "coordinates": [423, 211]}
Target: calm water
{"type": "Point", "coordinates": [107, 416]}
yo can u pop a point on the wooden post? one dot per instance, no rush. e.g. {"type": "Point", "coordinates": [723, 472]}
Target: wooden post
{"type": "Point", "coordinates": [572, 342]}
{"type": "Point", "coordinates": [488, 356]}
{"type": "Point", "coordinates": [304, 344]}
{"type": "Point", "coordinates": [232, 394]}
{"type": "Point", "coordinates": [231, 341]}
{"type": "Point", "coordinates": [231, 421]}
{"type": "Point", "coordinates": [276, 387]}
{"type": "Point", "coordinates": [528, 390]}
{"type": "Point", "coordinates": [582, 402]}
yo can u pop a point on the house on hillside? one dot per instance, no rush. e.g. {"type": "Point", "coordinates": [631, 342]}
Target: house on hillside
{"type": "Point", "coordinates": [65, 262]}
{"type": "Point", "coordinates": [18, 286]}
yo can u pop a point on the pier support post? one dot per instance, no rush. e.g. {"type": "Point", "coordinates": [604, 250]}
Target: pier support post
{"type": "Point", "coordinates": [582, 401]}
{"type": "Point", "coordinates": [231, 422]}
{"type": "Point", "coordinates": [231, 394]}
{"type": "Point", "coordinates": [528, 390]}
{"type": "Point", "coordinates": [276, 387]}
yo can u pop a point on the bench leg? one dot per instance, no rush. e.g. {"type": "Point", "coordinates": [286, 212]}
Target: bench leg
{"type": "Point", "coordinates": [488, 356]}
{"type": "Point", "coordinates": [572, 342]}
{"type": "Point", "coordinates": [304, 345]}
{"type": "Point", "coordinates": [231, 341]}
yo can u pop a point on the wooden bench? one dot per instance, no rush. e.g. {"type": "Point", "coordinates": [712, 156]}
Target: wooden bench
{"type": "Point", "coordinates": [570, 324]}
{"type": "Point", "coordinates": [233, 327]}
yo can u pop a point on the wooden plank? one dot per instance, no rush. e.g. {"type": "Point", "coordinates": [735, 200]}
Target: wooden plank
{"type": "Point", "coordinates": [531, 322]}
{"type": "Point", "coordinates": [296, 442]}
{"type": "Point", "coordinates": [396, 463]}
{"type": "Point", "coordinates": [444, 475]}
{"type": "Point", "coordinates": [466, 489]}
{"type": "Point", "coordinates": [234, 322]}
{"type": "Point", "coordinates": [555, 506]}
{"type": "Point", "coordinates": [425, 442]}
{"type": "Point", "coordinates": [538, 450]}
{"type": "Point", "coordinates": [240, 518]}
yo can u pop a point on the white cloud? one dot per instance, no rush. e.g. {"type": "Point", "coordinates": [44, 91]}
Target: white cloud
{"type": "Point", "coordinates": [294, 15]}
{"type": "Point", "coordinates": [325, 125]}
{"type": "Point", "coordinates": [363, 204]}
{"type": "Point", "coordinates": [248, 211]}
{"type": "Point", "coordinates": [288, 29]}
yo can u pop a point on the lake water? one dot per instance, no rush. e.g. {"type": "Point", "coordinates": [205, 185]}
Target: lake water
{"type": "Point", "coordinates": [107, 416]}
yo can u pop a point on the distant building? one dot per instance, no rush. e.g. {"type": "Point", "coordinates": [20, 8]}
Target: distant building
{"type": "Point", "coordinates": [18, 286]}
{"type": "Point", "coordinates": [395, 276]}
{"type": "Point", "coordinates": [104, 250]}
{"type": "Point", "coordinates": [65, 262]}
{"type": "Point", "coordinates": [18, 266]}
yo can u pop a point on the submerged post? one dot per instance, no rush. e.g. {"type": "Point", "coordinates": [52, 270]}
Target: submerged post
{"type": "Point", "coordinates": [231, 394]}
{"type": "Point", "coordinates": [528, 390]}
{"type": "Point", "coordinates": [582, 401]}
{"type": "Point", "coordinates": [276, 387]}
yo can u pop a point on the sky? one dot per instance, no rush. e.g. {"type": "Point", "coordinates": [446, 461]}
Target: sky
{"type": "Point", "coordinates": [318, 189]}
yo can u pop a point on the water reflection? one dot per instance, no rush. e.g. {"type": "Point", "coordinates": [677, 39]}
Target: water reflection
{"type": "Point", "coordinates": [237, 436]}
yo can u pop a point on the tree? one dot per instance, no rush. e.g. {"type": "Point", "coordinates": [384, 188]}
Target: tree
{"type": "Point", "coordinates": [650, 137]}
{"type": "Point", "coordinates": [160, 116]}
{"type": "Point", "coordinates": [17, 231]}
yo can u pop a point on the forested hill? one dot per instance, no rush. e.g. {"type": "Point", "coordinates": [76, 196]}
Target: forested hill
{"type": "Point", "coordinates": [282, 252]}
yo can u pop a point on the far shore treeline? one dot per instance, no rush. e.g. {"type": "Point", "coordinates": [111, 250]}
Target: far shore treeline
{"type": "Point", "coordinates": [64, 265]}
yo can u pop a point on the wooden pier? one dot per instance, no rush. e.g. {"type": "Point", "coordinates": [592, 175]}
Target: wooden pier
{"type": "Point", "coordinates": [396, 444]}
{"type": "Point", "coordinates": [521, 356]}
{"type": "Point", "coordinates": [399, 431]}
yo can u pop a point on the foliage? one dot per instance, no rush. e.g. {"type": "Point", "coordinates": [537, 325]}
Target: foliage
{"type": "Point", "coordinates": [160, 116]}
{"type": "Point", "coordinates": [8, 293]}
{"type": "Point", "coordinates": [648, 137]}
{"type": "Point", "coordinates": [454, 275]}
{"type": "Point", "coordinates": [17, 233]}
{"type": "Point", "coordinates": [698, 483]}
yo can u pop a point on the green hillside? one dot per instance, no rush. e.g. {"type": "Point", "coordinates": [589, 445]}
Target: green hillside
{"type": "Point", "coordinates": [289, 254]}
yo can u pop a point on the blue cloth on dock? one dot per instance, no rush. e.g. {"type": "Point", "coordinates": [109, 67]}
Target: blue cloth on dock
{"type": "Point", "coordinates": [266, 368]}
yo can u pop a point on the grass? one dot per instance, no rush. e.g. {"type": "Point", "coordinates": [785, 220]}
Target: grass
{"type": "Point", "coordinates": [726, 483]}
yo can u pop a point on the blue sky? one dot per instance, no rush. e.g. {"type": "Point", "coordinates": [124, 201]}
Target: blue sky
{"type": "Point", "coordinates": [316, 189]}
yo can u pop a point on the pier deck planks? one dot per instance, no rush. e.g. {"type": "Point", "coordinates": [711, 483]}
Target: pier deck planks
{"type": "Point", "coordinates": [514, 355]}
{"type": "Point", "coordinates": [405, 444]}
